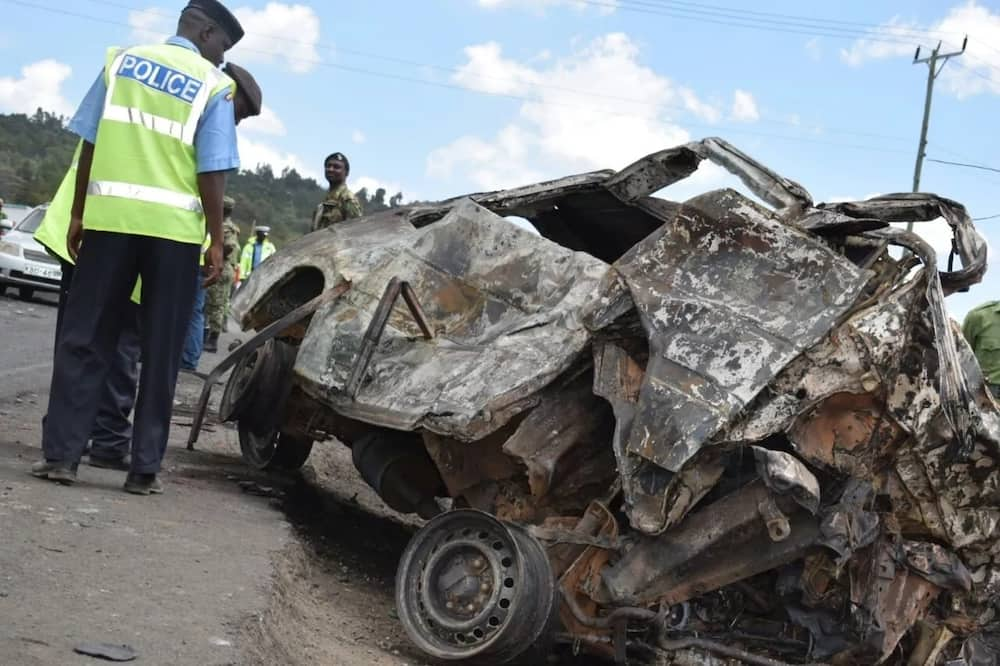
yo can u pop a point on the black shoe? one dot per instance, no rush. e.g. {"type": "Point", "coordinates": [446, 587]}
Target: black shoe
{"type": "Point", "coordinates": [212, 342]}
{"type": "Point", "coordinates": [143, 484]}
{"type": "Point", "coordinates": [120, 464]}
{"type": "Point", "coordinates": [55, 471]}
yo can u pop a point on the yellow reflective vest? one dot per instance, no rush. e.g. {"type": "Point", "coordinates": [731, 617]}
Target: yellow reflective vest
{"type": "Point", "coordinates": [246, 257]}
{"type": "Point", "coordinates": [155, 97]}
{"type": "Point", "coordinates": [51, 233]}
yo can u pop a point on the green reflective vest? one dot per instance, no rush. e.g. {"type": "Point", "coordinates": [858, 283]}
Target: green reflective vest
{"type": "Point", "coordinates": [155, 98]}
{"type": "Point", "coordinates": [246, 257]}
{"type": "Point", "coordinates": [51, 233]}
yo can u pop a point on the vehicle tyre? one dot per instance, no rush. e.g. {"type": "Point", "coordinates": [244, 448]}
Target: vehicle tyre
{"type": "Point", "coordinates": [470, 588]}
{"type": "Point", "coordinates": [273, 450]}
{"type": "Point", "coordinates": [25, 293]}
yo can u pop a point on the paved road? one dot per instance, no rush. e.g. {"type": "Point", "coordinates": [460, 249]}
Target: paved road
{"type": "Point", "coordinates": [26, 329]}
{"type": "Point", "coordinates": [173, 576]}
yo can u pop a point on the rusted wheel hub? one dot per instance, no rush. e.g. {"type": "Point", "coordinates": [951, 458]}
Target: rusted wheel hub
{"type": "Point", "coordinates": [469, 586]}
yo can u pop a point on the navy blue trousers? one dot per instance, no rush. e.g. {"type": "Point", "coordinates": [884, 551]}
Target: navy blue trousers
{"type": "Point", "coordinates": [112, 432]}
{"type": "Point", "coordinates": [93, 320]}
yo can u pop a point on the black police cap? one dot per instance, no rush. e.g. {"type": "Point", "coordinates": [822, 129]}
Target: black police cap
{"type": "Point", "coordinates": [216, 11]}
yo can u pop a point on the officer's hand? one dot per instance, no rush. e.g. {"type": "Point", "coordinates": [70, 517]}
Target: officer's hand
{"type": "Point", "coordinates": [74, 236]}
{"type": "Point", "coordinates": [213, 264]}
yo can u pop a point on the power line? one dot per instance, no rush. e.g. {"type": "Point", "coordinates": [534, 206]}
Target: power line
{"type": "Point", "coordinates": [963, 164]}
{"type": "Point", "coordinates": [811, 19]}
{"type": "Point", "coordinates": [885, 34]}
{"type": "Point", "coordinates": [513, 96]}
{"type": "Point", "coordinates": [771, 19]}
{"type": "Point", "coordinates": [874, 37]}
{"type": "Point", "coordinates": [988, 217]}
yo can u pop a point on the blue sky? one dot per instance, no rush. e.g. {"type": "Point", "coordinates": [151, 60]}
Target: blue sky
{"type": "Point", "coordinates": [444, 97]}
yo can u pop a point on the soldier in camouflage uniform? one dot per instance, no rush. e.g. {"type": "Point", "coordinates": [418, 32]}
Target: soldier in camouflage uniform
{"type": "Point", "coordinates": [217, 296]}
{"type": "Point", "coordinates": [340, 203]}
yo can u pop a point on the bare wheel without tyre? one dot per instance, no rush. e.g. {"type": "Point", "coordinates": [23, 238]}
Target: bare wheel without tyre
{"type": "Point", "coordinates": [471, 588]}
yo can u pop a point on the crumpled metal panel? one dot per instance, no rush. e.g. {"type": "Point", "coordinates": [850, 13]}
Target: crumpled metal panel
{"type": "Point", "coordinates": [728, 296]}
{"type": "Point", "coordinates": [508, 309]}
{"type": "Point", "coordinates": [340, 252]}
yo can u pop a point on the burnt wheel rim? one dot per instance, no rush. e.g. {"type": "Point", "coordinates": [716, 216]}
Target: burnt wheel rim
{"type": "Point", "coordinates": [468, 585]}
{"type": "Point", "coordinates": [471, 586]}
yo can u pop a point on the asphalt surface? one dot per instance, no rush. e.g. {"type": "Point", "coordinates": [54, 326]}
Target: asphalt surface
{"type": "Point", "coordinates": [26, 329]}
{"type": "Point", "coordinates": [174, 577]}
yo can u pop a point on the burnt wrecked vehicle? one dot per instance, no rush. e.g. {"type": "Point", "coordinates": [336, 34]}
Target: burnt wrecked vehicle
{"type": "Point", "coordinates": [706, 432]}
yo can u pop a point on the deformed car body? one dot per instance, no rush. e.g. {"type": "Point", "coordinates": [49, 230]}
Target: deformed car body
{"type": "Point", "coordinates": [683, 432]}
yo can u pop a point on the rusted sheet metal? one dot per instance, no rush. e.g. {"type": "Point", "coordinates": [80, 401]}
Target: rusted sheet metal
{"type": "Point", "coordinates": [888, 599]}
{"type": "Point", "coordinates": [506, 305]}
{"type": "Point", "coordinates": [754, 420]}
{"type": "Point", "coordinates": [726, 542]}
{"type": "Point", "coordinates": [569, 425]}
{"type": "Point", "coordinates": [728, 296]}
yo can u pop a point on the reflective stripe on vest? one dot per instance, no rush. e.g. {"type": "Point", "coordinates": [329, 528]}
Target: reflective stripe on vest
{"type": "Point", "coordinates": [147, 193]}
{"type": "Point", "coordinates": [182, 132]}
{"type": "Point", "coordinates": [143, 178]}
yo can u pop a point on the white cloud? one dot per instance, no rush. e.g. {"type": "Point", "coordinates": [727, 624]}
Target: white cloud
{"type": "Point", "coordinates": [373, 184]}
{"type": "Point", "coordinates": [254, 153]}
{"type": "Point", "coordinates": [488, 71]}
{"type": "Point", "coordinates": [604, 7]}
{"type": "Point", "coordinates": [814, 48]}
{"type": "Point", "coordinates": [357, 136]}
{"type": "Point", "coordinates": [703, 110]}
{"type": "Point", "coordinates": [40, 86]}
{"type": "Point", "coordinates": [267, 122]}
{"type": "Point", "coordinates": [561, 130]}
{"type": "Point", "coordinates": [895, 38]}
{"type": "Point", "coordinates": [744, 107]}
{"type": "Point", "coordinates": [975, 72]}
{"type": "Point", "coordinates": [152, 25]}
{"type": "Point", "coordinates": [281, 33]}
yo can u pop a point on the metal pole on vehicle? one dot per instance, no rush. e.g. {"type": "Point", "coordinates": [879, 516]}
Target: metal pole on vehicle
{"type": "Point", "coordinates": [932, 73]}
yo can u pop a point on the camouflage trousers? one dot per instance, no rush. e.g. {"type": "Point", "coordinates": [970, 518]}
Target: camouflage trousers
{"type": "Point", "coordinates": [217, 302]}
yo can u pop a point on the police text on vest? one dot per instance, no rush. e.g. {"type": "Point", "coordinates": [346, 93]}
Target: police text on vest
{"type": "Point", "coordinates": [160, 77]}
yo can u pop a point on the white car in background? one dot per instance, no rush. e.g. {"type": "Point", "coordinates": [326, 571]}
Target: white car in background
{"type": "Point", "coordinates": [24, 263]}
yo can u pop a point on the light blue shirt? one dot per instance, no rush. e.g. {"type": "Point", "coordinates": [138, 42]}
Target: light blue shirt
{"type": "Point", "coordinates": [214, 138]}
{"type": "Point", "coordinates": [258, 248]}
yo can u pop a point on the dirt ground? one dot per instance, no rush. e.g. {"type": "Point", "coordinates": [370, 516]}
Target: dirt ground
{"type": "Point", "coordinates": [229, 566]}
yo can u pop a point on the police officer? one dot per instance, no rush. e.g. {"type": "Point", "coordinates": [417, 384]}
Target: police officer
{"type": "Point", "coordinates": [340, 203]}
{"type": "Point", "coordinates": [217, 296]}
{"type": "Point", "coordinates": [111, 433]}
{"type": "Point", "coordinates": [255, 251]}
{"type": "Point", "coordinates": [159, 135]}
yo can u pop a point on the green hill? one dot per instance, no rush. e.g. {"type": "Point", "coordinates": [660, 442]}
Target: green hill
{"type": "Point", "coordinates": [35, 152]}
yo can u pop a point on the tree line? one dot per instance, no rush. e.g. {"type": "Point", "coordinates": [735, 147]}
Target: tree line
{"type": "Point", "coordinates": [36, 150]}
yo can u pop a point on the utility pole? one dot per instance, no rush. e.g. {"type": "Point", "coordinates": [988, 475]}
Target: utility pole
{"type": "Point", "coordinates": [932, 73]}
